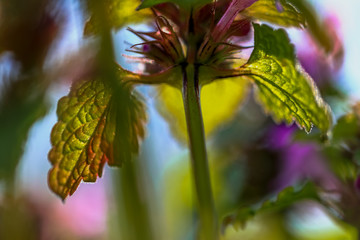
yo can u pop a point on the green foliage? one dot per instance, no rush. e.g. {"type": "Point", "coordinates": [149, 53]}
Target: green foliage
{"type": "Point", "coordinates": [283, 200]}
{"type": "Point", "coordinates": [266, 10]}
{"type": "Point", "coordinates": [283, 88]}
{"type": "Point", "coordinates": [347, 128]}
{"type": "Point", "coordinates": [187, 4]}
{"type": "Point", "coordinates": [341, 164]}
{"type": "Point", "coordinates": [97, 124]}
{"type": "Point", "coordinates": [343, 153]}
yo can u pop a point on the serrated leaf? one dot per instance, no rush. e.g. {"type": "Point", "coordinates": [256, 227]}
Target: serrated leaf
{"type": "Point", "coordinates": [97, 124]}
{"type": "Point", "coordinates": [283, 88]}
{"type": "Point", "coordinates": [283, 200]}
{"type": "Point", "coordinates": [266, 10]}
{"type": "Point", "coordinates": [187, 4]}
{"type": "Point", "coordinates": [120, 14]}
{"type": "Point", "coordinates": [219, 101]}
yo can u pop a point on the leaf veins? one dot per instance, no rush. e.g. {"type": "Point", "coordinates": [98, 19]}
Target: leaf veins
{"type": "Point", "coordinates": [284, 89]}
{"type": "Point", "coordinates": [96, 124]}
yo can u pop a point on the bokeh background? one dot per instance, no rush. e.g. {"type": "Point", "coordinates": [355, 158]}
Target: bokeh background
{"type": "Point", "coordinates": [251, 157]}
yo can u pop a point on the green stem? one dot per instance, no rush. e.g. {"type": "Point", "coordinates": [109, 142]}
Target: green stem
{"type": "Point", "coordinates": [134, 215]}
{"type": "Point", "coordinates": [135, 220]}
{"type": "Point", "coordinates": [208, 228]}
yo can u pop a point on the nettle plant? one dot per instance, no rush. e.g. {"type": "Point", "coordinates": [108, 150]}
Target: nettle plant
{"type": "Point", "coordinates": [195, 44]}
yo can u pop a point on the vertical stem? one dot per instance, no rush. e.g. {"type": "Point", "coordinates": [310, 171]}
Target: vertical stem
{"type": "Point", "coordinates": [135, 221]}
{"type": "Point", "coordinates": [208, 229]}
{"type": "Point", "coordinates": [131, 199]}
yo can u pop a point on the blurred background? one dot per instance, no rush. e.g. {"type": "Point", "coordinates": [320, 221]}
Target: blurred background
{"type": "Point", "coordinates": [43, 50]}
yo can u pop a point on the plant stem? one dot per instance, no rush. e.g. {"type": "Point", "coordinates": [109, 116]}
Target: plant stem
{"type": "Point", "coordinates": [208, 229]}
{"type": "Point", "coordinates": [132, 199]}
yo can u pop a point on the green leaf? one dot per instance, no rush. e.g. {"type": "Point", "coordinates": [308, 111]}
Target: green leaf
{"type": "Point", "coordinates": [120, 14]}
{"type": "Point", "coordinates": [265, 10]}
{"type": "Point", "coordinates": [97, 124]}
{"type": "Point", "coordinates": [187, 4]}
{"type": "Point", "coordinates": [283, 200]}
{"type": "Point", "coordinates": [283, 88]}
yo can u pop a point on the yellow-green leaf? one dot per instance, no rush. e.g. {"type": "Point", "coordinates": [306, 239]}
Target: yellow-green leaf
{"type": "Point", "coordinates": [219, 101]}
{"type": "Point", "coordinates": [120, 14]}
{"type": "Point", "coordinates": [283, 88]}
{"type": "Point", "coordinates": [266, 10]}
{"type": "Point", "coordinates": [96, 124]}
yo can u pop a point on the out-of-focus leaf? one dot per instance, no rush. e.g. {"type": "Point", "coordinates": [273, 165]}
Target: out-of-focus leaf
{"type": "Point", "coordinates": [347, 128]}
{"type": "Point", "coordinates": [317, 29]}
{"type": "Point", "coordinates": [21, 105]}
{"type": "Point", "coordinates": [283, 88]}
{"type": "Point", "coordinates": [292, 13]}
{"type": "Point", "coordinates": [27, 29]}
{"type": "Point", "coordinates": [120, 13]}
{"type": "Point", "coordinates": [284, 199]}
{"type": "Point", "coordinates": [341, 165]}
{"type": "Point", "coordinates": [19, 213]}
{"type": "Point", "coordinates": [97, 124]}
{"type": "Point", "coordinates": [219, 101]}
{"type": "Point", "coordinates": [187, 4]}
{"type": "Point", "coordinates": [266, 10]}
{"type": "Point", "coordinates": [346, 141]}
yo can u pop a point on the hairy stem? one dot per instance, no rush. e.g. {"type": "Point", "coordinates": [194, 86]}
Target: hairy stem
{"type": "Point", "coordinates": [208, 228]}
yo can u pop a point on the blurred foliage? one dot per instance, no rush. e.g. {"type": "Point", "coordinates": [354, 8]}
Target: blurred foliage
{"type": "Point", "coordinates": [32, 20]}
{"type": "Point", "coordinates": [283, 200]}
{"type": "Point", "coordinates": [18, 214]}
{"type": "Point", "coordinates": [317, 29]}
{"type": "Point", "coordinates": [20, 107]}
{"type": "Point", "coordinates": [120, 13]}
{"type": "Point", "coordinates": [22, 99]}
{"type": "Point", "coordinates": [103, 120]}
{"type": "Point", "coordinates": [292, 13]}
{"type": "Point", "coordinates": [187, 4]}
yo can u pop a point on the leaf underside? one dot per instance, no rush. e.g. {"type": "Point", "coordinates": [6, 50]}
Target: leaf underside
{"type": "Point", "coordinates": [283, 88]}
{"type": "Point", "coordinates": [96, 124]}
